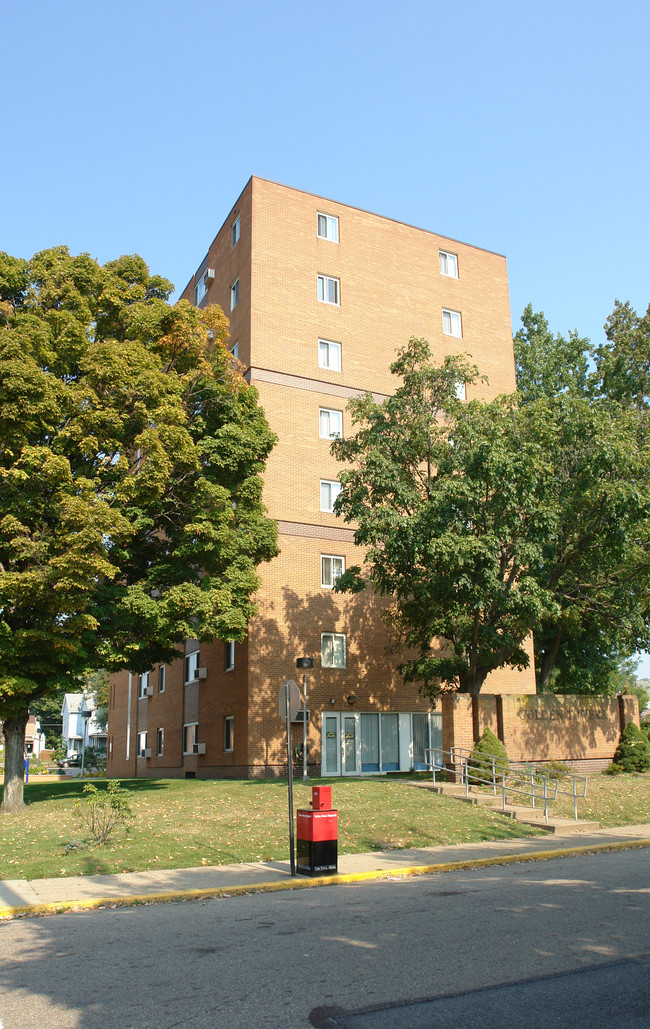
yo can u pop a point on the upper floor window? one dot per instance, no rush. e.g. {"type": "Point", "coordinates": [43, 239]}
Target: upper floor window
{"type": "Point", "coordinates": [329, 355]}
{"type": "Point", "coordinates": [143, 685]}
{"type": "Point", "coordinates": [331, 569]}
{"type": "Point", "coordinates": [234, 231]}
{"type": "Point", "coordinates": [461, 391]}
{"type": "Point", "coordinates": [234, 294]}
{"type": "Point", "coordinates": [329, 290]}
{"type": "Point", "coordinates": [160, 742]}
{"type": "Point", "coordinates": [234, 350]}
{"type": "Point", "coordinates": [448, 264]}
{"type": "Point", "coordinates": [201, 287]}
{"type": "Point", "coordinates": [451, 325]}
{"type": "Point", "coordinates": [329, 491]}
{"type": "Point", "coordinates": [332, 650]}
{"type": "Point", "coordinates": [229, 662]}
{"type": "Point", "coordinates": [162, 675]}
{"type": "Point", "coordinates": [330, 423]}
{"type": "Point", "coordinates": [191, 666]}
{"type": "Point", "coordinates": [328, 227]}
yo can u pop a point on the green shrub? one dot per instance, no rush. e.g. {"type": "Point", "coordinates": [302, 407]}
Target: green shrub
{"type": "Point", "coordinates": [480, 761]}
{"type": "Point", "coordinates": [103, 811]}
{"type": "Point", "coordinates": [633, 751]}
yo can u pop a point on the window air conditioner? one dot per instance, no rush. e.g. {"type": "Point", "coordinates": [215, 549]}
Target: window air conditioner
{"type": "Point", "coordinates": [149, 691]}
{"type": "Point", "coordinates": [201, 673]}
{"type": "Point", "coordinates": [147, 752]}
{"type": "Point", "coordinates": [209, 273]}
{"type": "Point", "coordinates": [199, 748]}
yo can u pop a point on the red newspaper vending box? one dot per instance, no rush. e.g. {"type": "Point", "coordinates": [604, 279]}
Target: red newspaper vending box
{"type": "Point", "coordinates": [317, 836]}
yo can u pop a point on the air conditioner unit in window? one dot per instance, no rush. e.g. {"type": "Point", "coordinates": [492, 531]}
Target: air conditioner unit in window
{"type": "Point", "coordinates": [149, 691]}
{"type": "Point", "coordinates": [199, 748]}
{"type": "Point", "coordinates": [147, 752]}
{"type": "Point", "coordinates": [201, 673]}
{"type": "Point", "coordinates": [209, 273]}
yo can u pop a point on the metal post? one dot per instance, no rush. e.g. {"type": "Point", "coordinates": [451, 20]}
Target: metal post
{"type": "Point", "coordinates": [304, 726]}
{"type": "Point", "coordinates": [292, 856]}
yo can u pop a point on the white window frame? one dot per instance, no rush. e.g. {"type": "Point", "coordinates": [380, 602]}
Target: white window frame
{"type": "Point", "coordinates": [448, 263]}
{"type": "Point", "coordinates": [234, 294]}
{"type": "Point", "coordinates": [191, 666]}
{"type": "Point", "coordinates": [327, 348]}
{"type": "Point", "coordinates": [330, 637]}
{"type": "Point", "coordinates": [229, 655]}
{"type": "Point", "coordinates": [452, 321]}
{"type": "Point", "coordinates": [328, 290]}
{"type": "Point", "coordinates": [229, 734]}
{"type": "Point", "coordinates": [329, 488]}
{"type": "Point", "coordinates": [162, 676]}
{"type": "Point", "coordinates": [461, 391]}
{"type": "Point", "coordinates": [201, 288]}
{"type": "Point", "coordinates": [160, 741]}
{"type": "Point", "coordinates": [327, 415]}
{"type": "Point", "coordinates": [235, 232]}
{"type": "Point", "coordinates": [329, 224]}
{"type": "Point", "coordinates": [142, 744]}
{"type": "Point", "coordinates": [188, 747]}
{"type": "Point", "coordinates": [143, 683]}
{"type": "Point", "coordinates": [327, 574]}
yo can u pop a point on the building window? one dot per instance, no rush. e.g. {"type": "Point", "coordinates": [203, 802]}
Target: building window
{"type": "Point", "coordinates": [142, 744]}
{"type": "Point", "coordinates": [448, 264]}
{"type": "Point", "coordinates": [160, 741]}
{"type": "Point", "coordinates": [229, 732]}
{"type": "Point", "coordinates": [234, 295]}
{"type": "Point", "coordinates": [451, 325]}
{"type": "Point", "coordinates": [331, 569]}
{"type": "Point", "coordinates": [332, 650]}
{"type": "Point", "coordinates": [191, 666]}
{"type": "Point", "coordinates": [143, 684]}
{"type": "Point", "coordinates": [234, 350]}
{"type": "Point", "coordinates": [329, 491]}
{"type": "Point", "coordinates": [201, 287]}
{"type": "Point", "coordinates": [328, 227]}
{"type": "Point", "coordinates": [329, 355]}
{"type": "Point", "coordinates": [328, 290]}
{"type": "Point", "coordinates": [162, 675]}
{"type": "Point", "coordinates": [190, 737]}
{"type": "Point", "coordinates": [330, 423]}
{"type": "Point", "coordinates": [234, 231]}
{"type": "Point", "coordinates": [229, 662]}
{"type": "Point", "coordinates": [461, 391]}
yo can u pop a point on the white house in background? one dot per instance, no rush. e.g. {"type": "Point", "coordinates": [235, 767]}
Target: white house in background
{"type": "Point", "coordinates": [79, 728]}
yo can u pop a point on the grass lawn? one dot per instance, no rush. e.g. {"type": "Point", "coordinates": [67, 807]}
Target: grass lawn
{"type": "Point", "coordinates": [182, 823]}
{"type": "Point", "coordinates": [611, 800]}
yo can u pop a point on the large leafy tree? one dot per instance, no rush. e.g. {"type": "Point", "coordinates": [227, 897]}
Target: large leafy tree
{"type": "Point", "coordinates": [131, 455]}
{"type": "Point", "coordinates": [486, 521]}
{"type": "Point", "coordinates": [597, 562]}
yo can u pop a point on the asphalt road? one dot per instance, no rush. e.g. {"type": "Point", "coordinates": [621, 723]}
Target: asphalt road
{"type": "Point", "coordinates": [545, 945]}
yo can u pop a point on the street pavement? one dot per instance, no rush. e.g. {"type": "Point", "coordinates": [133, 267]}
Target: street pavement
{"type": "Point", "coordinates": [18, 897]}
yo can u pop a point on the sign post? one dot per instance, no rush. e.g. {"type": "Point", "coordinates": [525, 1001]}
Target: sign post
{"type": "Point", "coordinates": [288, 707]}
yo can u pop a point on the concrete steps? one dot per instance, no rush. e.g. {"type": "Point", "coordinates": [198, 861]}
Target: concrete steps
{"type": "Point", "coordinates": [526, 814]}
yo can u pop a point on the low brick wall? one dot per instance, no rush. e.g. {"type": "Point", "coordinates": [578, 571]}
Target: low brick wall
{"type": "Point", "coordinates": [580, 731]}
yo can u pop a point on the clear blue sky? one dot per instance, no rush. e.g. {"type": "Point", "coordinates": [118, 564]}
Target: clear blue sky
{"type": "Point", "coordinates": [520, 127]}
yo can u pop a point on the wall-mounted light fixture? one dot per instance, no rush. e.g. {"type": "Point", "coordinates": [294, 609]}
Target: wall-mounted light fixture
{"type": "Point", "coordinates": [351, 699]}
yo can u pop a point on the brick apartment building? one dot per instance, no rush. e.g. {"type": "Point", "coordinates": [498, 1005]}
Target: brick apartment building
{"type": "Point", "coordinates": [319, 295]}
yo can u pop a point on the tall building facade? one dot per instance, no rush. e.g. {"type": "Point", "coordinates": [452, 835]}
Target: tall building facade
{"type": "Point", "coordinates": [320, 296]}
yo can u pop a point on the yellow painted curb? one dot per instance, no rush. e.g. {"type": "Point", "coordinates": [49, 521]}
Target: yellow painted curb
{"type": "Point", "coordinates": [60, 907]}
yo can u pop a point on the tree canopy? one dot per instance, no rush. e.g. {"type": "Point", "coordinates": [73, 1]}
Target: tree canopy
{"type": "Point", "coordinates": [487, 521]}
{"type": "Point", "coordinates": [131, 454]}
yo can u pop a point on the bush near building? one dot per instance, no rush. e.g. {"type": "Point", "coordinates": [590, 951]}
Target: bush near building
{"type": "Point", "coordinates": [632, 753]}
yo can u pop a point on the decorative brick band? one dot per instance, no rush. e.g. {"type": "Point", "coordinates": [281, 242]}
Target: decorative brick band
{"type": "Point", "coordinates": [323, 532]}
{"type": "Point", "coordinates": [331, 389]}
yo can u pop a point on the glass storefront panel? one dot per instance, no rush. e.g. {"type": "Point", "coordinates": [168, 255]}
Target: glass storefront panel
{"type": "Point", "coordinates": [369, 743]}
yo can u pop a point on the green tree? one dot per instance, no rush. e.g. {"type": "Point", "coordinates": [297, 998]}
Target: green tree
{"type": "Point", "coordinates": [98, 686]}
{"type": "Point", "coordinates": [623, 362]}
{"type": "Point", "coordinates": [486, 521]}
{"type": "Point", "coordinates": [597, 561]}
{"type": "Point", "coordinates": [131, 456]}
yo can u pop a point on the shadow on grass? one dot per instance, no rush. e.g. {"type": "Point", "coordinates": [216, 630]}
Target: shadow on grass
{"type": "Point", "coordinates": [35, 793]}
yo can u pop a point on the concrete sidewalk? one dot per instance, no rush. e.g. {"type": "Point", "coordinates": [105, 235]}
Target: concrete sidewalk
{"type": "Point", "coordinates": [48, 896]}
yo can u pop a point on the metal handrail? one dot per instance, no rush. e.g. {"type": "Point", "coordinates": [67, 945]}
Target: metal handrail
{"type": "Point", "coordinates": [527, 783]}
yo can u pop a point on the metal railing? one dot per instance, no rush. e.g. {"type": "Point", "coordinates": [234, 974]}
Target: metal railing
{"type": "Point", "coordinates": [530, 783]}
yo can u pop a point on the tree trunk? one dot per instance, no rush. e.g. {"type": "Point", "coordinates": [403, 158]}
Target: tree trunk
{"type": "Point", "coordinates": [549, 660]}
{"type": "Point", "coordinates": [14, 734]}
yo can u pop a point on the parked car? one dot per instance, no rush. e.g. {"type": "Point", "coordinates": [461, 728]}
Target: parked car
{"type": "Point", "coordinates": [74, 761]}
